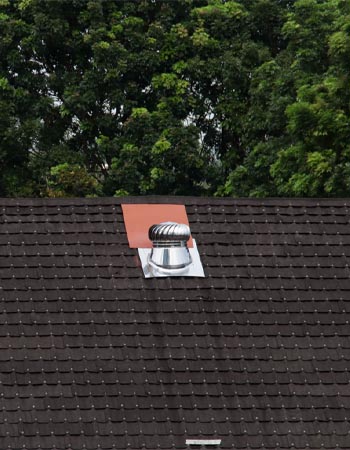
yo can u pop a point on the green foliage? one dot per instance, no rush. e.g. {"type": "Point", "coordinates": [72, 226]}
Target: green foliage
{"type": "Point", "coordinates": [200, 97]}
{"type": "Point", "coordinates": [71, 180]}
{"type": "Point", "coordinates": [298, 128]}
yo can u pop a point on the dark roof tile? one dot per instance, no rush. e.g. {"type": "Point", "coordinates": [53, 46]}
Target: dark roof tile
{"type": "Point", "coordinates": [95, 356]}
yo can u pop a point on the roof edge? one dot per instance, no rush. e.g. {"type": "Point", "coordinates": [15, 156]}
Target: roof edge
{"type": "Point", "coordinates": [183, 200]}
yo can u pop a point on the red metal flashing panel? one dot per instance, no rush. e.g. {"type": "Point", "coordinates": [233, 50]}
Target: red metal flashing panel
{"type": "Point", "coordinates": [138, 219]}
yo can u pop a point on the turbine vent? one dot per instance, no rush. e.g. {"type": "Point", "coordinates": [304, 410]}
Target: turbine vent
{"type": "Point", "coordinates": [169, 234]}
{"type": "Point", "coordinates": [169, 252]}
{"type": "Point", "coordinates": [162, 236]}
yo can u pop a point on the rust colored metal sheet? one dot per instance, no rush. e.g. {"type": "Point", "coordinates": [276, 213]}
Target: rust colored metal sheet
{"type": "Point", "coordinates": [139, 217]}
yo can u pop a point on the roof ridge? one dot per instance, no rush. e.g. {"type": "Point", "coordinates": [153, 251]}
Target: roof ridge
{"type": "Point", "coordinates": [187, 200]}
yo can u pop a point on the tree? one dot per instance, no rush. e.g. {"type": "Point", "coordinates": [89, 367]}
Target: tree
{"type": "Point", "coordinates": [300, 148]}
{"type": "Point", "coordinates": [187, 97]}
{"type": "Point", "coordinates": [316, 163]}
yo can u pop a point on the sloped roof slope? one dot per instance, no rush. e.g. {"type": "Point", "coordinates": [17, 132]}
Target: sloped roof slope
{"type": "Point", "coordinates": [94, 356]}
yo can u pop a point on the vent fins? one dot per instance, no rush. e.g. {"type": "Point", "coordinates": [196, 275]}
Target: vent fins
{"type": "Point", "coordinates": [169, 232]}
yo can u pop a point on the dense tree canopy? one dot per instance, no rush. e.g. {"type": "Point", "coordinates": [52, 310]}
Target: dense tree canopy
{"type": "Point", "coordinates": [192, 97]}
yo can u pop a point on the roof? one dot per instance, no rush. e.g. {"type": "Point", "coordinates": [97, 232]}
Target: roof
{"type": "Point", "coordinates": [94, 356]}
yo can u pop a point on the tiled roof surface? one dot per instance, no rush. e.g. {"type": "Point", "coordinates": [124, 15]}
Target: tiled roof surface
{"type": "Point", "coordinates": [94, 356]}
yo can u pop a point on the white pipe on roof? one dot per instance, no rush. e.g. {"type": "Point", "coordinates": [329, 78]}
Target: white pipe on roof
{"type": "Point", "coordinates": [203, 441]}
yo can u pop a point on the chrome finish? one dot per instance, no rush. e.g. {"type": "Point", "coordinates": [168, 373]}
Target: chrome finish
{"type": "Point", "coordinates": [170, 258]}
{"type": "Point", "coordinates": [169, 234]}
{"type": "Point", "coordinates": [195, 269]}
{"type": "Point", "coordinates": [169, 250]}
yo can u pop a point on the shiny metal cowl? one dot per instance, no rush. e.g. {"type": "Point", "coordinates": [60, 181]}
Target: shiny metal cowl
{"type": "Point", "coordinates": [169, 240]}
{"type": "Point", "coordinates": [170, 257]}
{"type": "Point", "coordinates": [169, 234]}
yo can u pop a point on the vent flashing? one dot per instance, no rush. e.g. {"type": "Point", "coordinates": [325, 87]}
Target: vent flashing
{"type": "Point", "coordinates": [139, 217]}
{"type": "Point", "coordinates": [165, 249]}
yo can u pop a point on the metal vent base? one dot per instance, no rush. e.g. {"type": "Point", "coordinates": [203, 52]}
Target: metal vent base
{"type": "Point", "coordinates": [195, 269]}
